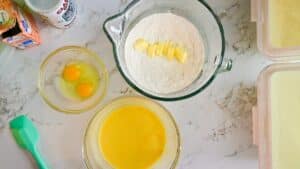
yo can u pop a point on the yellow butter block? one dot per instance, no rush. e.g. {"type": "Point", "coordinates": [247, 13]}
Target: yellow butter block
{"type": "Point", "coordinates": [180, 54]}
{"type": "Point", "coordinates": [160, 49]}
{"type": "Point", "coordinates": [151, 50]}
{"type": "Point", "coordinates": [141, 45]}
{"type": "Point", "coordinates": [167, 49]}
{"type": "Point", "coordinates": [171, 52]}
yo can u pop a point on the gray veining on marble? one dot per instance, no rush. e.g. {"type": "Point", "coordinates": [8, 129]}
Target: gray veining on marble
{"type": "Point", "coordinates": [214, 134]}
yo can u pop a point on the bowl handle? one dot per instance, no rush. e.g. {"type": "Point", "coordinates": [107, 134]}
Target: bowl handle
{"type": "Point", "coordinates": [226, 65]}
{"type": "Point", "coordinates": [114, 28]}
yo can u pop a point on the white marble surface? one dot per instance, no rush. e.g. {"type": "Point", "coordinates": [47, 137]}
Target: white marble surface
{"type": "Point", "coordinates": [212, 137]}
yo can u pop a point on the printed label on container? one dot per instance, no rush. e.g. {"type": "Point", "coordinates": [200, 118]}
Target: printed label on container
{"type": "Point", "coordinates": [70, 13]}
{"type": "Point", "coordinates": [24, 22]}
{"type": "Point", "coordinates": [27, 43]}
{"type": "Point", "coordinates": [13, 39]}
{"type": "Point", "coordinates": [63, 16]}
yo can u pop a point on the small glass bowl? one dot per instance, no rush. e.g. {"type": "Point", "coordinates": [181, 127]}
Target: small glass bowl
{"type": "Point", "coordinates": [92, 155]}
{"type": "Point", "coordinates": [50, 72]}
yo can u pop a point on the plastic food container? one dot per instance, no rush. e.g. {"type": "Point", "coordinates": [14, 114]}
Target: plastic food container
{"type": "Point", "coordinates": [199, 13]}
{"type": "Point", "coordinates": [262, 15]}
{"type": "Point", "coordinates": [50, 72]}
{"type": "Point", "coordinates": [92, 155]}
{"type": "Point", "coordinates": [272, 131]}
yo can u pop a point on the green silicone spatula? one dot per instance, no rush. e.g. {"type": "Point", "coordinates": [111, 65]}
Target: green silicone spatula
{"type": "Point", "coordinates": [27, 136]}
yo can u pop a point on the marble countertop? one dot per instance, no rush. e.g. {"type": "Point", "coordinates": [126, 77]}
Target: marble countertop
{"type": "Point", "coordinates": [215, 125]}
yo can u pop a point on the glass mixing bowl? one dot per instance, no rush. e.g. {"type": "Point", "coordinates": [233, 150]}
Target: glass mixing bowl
{"type": "Point", "coordinates": [197, 12]}
{"type": "Point", "coordinates": [91, 152]}
{"type": "Point", "coordinates": [50, 73]}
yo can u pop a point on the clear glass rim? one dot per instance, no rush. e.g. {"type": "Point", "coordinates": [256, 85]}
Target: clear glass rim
{"type": "Point", "coordinates": [134, 86]}
{"type": "Point", "coordinates": [41, 77]}
{"type": "Point", "coordinates": [178, 151]}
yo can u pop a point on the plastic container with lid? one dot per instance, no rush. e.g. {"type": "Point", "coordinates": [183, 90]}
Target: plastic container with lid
{"type": "Point", "coordinates": [277, 28]}
{"type": "Point", "coordinates": [277, 115]}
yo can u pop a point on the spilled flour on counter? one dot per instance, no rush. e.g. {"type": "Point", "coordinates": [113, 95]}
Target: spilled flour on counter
{"type": "Point", "coordinates": [158, 74]}
{"type": "Point", "coordinates": [237, 106]}
{"type": "Point", "coordinates": [239, 101]}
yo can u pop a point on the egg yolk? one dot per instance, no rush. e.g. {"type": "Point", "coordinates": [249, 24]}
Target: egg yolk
{"type": "Point", "coordinates": [71, 73]}
{"type": "Point", "coordinates": [78, 80]}
{"type": "Point", "coordinates": [84, 90]}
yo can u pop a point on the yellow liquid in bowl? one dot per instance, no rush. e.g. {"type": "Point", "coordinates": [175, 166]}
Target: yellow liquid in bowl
{"type": "Point", "coordinates": [132, 137]}
{"type": "Point", "coordinates": [285, 115]}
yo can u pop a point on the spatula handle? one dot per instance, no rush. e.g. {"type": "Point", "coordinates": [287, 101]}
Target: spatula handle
{"type": "Point", "coordinates": [39, 160]}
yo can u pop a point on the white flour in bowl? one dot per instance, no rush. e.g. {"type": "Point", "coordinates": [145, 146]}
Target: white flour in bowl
{"type": "Point", "coordinates": [159, 74]}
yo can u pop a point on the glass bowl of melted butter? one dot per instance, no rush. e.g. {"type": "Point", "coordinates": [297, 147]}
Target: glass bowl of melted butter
{"type": "Point", "coordinates": [72, 79]}
{"type": "Point", "coordinates": [132, 132]}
